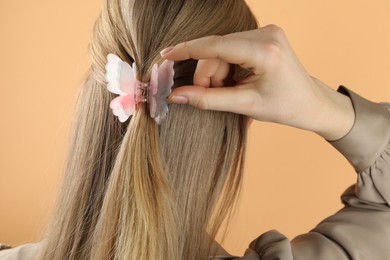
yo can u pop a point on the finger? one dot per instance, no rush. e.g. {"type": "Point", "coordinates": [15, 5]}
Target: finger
{"type": "Point", "coordinates": [211, 73]}
{"type": "Point", "coordinates": [249, 49]}
{"type": "Point", "coordinates": [231, 49]}
{"type": "Point", "coordinates": [219, 79]}
{"type": "Point", "coordinates": [205, 70]}
{"type": "Point", "coordinates": [230, 99]}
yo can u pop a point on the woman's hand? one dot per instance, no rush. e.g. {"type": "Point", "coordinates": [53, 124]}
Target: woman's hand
{"type": "Point", "coordinates": [279, 89]}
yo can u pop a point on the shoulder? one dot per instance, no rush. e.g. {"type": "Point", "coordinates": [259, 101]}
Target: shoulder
{"type": "Point", "coordinates": [26, 251]}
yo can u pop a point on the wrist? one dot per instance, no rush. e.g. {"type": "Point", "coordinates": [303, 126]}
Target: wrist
{"type": "Point", "coordinates": [336, 116]}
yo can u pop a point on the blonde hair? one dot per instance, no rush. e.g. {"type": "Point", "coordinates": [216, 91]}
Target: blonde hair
{"type": "Point", "coordinates": [138, 190]}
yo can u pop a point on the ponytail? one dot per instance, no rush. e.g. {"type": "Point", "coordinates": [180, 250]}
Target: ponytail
{"type": "Point", "coordinates": [136, 220]}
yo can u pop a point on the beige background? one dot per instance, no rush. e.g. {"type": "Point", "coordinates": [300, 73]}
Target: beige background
{"type": "Point", "coordinates": [293, 178]}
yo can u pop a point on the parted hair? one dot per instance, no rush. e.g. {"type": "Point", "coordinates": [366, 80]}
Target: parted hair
{"type": "Point", "coordinates": [138, 190]}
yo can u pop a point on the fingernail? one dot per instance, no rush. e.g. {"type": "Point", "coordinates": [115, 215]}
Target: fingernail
{"type": "Point", "coordinates": [166, 50]}
{"type": "Point", "coordinates": [179, 100]}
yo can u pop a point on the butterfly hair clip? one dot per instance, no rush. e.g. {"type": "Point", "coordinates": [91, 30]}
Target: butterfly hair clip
{"type": "Point", "coordinates": [122, 80]}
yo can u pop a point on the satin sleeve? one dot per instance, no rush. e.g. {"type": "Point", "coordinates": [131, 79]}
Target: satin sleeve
{"type": "Point", "coordinates": [361, 229]}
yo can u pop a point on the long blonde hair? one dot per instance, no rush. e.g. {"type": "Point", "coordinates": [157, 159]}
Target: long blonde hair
{"type": "Point", "coordinates": [137, 190]}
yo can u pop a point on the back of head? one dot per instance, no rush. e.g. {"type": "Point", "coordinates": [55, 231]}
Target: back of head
{"type": "Point", "coordinates": [137, 190]}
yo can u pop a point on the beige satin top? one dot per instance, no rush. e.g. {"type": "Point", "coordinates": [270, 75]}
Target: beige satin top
{"type": "Point", "coordinates": [360, 230]}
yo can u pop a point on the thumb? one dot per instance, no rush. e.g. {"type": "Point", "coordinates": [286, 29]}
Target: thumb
{"type": "Point", "coordinates": [230, 99]}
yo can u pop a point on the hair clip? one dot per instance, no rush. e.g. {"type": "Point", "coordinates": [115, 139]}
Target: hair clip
{"type": "Point", "coordinates": [122, 80]}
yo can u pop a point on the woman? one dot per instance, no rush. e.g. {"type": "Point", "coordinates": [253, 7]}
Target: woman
{"type": "Point", "coordinates": [142, 191]}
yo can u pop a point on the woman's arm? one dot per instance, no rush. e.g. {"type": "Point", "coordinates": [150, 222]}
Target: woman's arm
{"type": "Point", "coordinates": [360, 230]}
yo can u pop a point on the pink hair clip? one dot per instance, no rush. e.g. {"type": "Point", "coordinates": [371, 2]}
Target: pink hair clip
{"type": "Point", "coordinates": [122, 80]}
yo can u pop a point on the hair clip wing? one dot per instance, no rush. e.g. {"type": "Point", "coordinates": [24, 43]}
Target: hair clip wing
{"type": "Point", "coordinates": [161, 83]}
{"type": "Point", "coordinates": [121, 80]}
{"type": "Point", "coordinates": [123, 107]}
